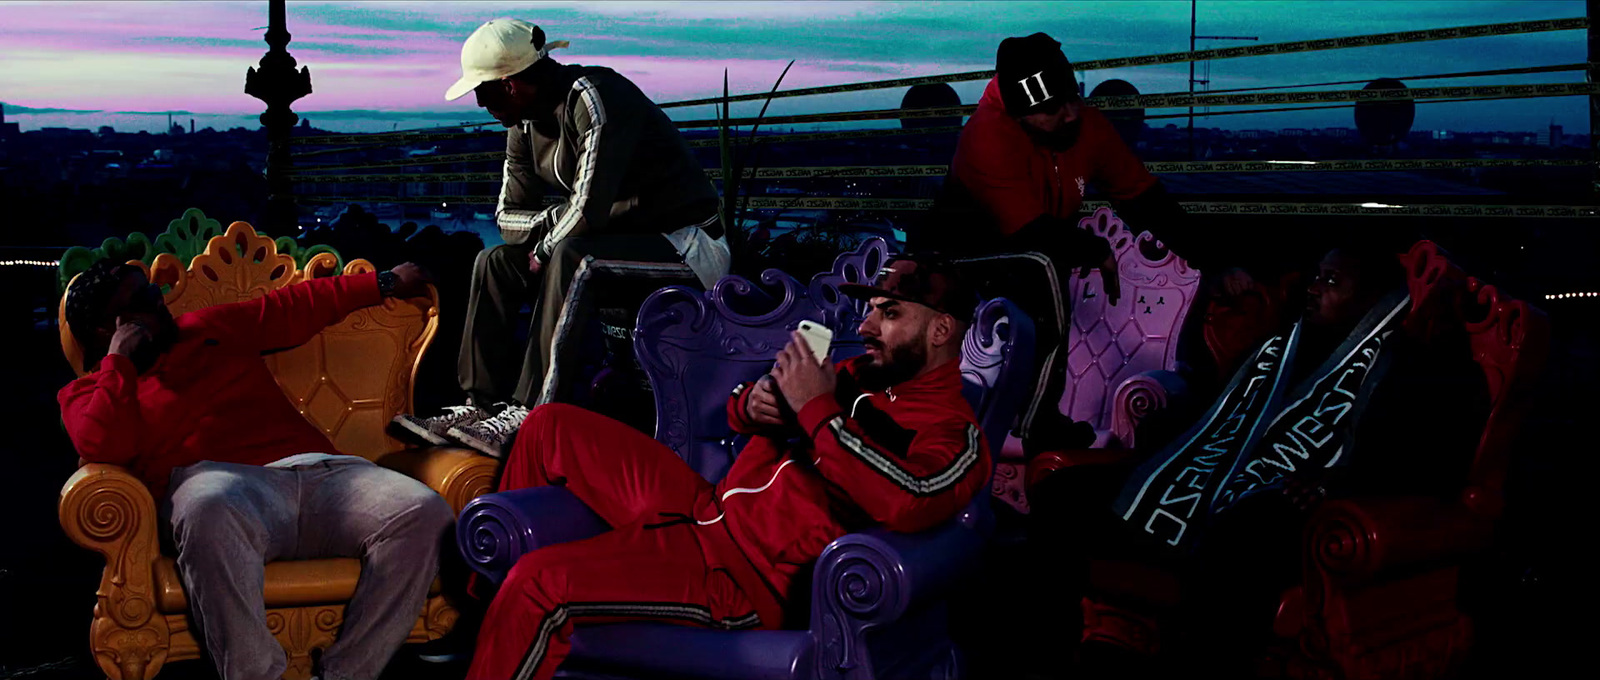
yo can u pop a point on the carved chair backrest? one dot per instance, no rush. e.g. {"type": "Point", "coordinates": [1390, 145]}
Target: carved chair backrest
{"type": "Point", "coordinates": [997, 366]}
{"type": "Point", "coordinates": [1509, 340]}
{"type": "Point", "coordinates": [351, 379]}
{"type": "Point", "coordinates": [695, 347]}
{"type": "Point", "coordinates": [1108, 344]}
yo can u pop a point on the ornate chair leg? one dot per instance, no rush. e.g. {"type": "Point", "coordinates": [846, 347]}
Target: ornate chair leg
{"type": "Point", "coordinates": [129, 653]}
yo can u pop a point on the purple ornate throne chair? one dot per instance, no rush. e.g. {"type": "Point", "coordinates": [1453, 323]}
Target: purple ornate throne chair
{"type": "Point", "coordinates": [731, 335]}
{"type": "Point", "coordinates": [877, 604]}
{"type": "Point", "coordinates": [1119, 361]}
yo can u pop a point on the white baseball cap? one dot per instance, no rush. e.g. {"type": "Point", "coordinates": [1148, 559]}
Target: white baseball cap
{"type": "Point", "coordinates": [499, 48]}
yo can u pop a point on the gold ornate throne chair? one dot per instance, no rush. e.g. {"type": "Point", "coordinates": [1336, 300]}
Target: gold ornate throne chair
{"type": "Point", "coordinates": [349, 381]}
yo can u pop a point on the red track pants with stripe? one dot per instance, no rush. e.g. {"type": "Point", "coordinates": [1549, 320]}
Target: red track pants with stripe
{"type": "Point", "coordinates": [648, 568]}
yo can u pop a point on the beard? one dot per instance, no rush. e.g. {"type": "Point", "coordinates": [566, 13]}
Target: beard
{"type": "Point", "coordinates": [1062, 139]}
{"type": "Point", "coordinates": [894, 365]}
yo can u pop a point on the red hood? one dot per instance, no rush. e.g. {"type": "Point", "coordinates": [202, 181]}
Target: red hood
{"type": "Point", "coordinates": [991, 97]}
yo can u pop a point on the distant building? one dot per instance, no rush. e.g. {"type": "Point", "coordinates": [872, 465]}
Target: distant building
{"type": "Point", "coordinates": [1551, 137]}
{"type": "Point", "coordinates": [1296, 132]}
{"type": "Point", "coordinates": [8, 130]}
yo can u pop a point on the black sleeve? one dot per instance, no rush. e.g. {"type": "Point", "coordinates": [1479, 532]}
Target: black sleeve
{"type": "Point", "coordinates": [1061, 240]}
{"type": "Point", "coordinates": [1157, 212]}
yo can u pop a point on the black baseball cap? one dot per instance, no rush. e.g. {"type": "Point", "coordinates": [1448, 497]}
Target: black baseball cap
{"type": "Point", "coordinates": [1034, 75]}
{"type": "Point", "coordinates": [927, 280]}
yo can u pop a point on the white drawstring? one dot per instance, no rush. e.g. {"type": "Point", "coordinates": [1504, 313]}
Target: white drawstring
{"type": "Point", "coordinates": [857, 403]}
{"type": "Point", "coordinates": [733, 492]}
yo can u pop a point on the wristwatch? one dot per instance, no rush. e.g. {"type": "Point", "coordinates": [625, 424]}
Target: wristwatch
{"type": "Point", "coordinates": [387, 280]}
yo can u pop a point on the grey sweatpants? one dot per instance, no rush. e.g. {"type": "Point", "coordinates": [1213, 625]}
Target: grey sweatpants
{"type": "Point", "coordinates": [229, 520]}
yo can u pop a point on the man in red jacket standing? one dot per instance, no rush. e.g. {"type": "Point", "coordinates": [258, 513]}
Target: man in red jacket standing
{"type": "Point", "coordinates": [1024, 163]}
{"type": "Point", "coordinates": [885, 438]}
{"type": "Point", "coordinates": [240, 477]}
{"type": "Point", "coordinates": [1022, 168]}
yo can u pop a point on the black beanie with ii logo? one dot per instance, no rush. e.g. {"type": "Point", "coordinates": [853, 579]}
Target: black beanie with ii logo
{"type": "Point", "coordinates": [1034, 75]}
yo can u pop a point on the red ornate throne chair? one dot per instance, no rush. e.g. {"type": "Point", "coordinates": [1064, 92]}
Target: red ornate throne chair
{"type": "Point", "coordinates": [1379, 592]}
{"type": "Point", "coordinates": [1382, 574]}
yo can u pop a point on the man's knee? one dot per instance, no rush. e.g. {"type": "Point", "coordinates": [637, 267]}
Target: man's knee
{"type": "Point", "coordinates": [492, 261]}
{"type": "Point", "coordinates": [568, 252]}
{"type": "Point", "coordinates": [416, 512]}
{"type": "Point", "coordinates": [538, 572]}
{"type": "Point", "coordinates": [545, 417]}
{"type": "Point", "coordinates": [209, 506]}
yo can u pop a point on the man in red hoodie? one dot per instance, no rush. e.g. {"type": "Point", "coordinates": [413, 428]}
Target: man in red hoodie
{"type": "Point", "coordinates": [1022, 168]}
{"type": "Point", "coordinates": [885, 439]}
{"type": "Point", "coordinates": [240, 477]}
{"type": "Point", "coordinates": [1024, 163]}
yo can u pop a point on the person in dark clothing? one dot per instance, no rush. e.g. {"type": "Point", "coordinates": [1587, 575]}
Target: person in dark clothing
{"type": "Point", "coordinates": [1411, 429]}
{"type": "Point", "coordinates": [633, 191]}
{"type": "Point", "coordinates": [1025, 160]}
{"type": "Point", "coordinates": [1021, 170]}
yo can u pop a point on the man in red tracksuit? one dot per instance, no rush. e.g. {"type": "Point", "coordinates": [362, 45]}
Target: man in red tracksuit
{"type": "Point", "coordinates": [885, 438]}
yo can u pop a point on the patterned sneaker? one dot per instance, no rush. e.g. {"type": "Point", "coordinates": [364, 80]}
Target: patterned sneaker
{"type": "Point", "coordinates": [433, 430]}
{"type": "Point", "coordinates": [492, 435]}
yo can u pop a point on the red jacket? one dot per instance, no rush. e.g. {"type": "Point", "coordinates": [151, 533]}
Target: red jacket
{"type": "Point", "coordinates": [907, 459]}
{"type": "Point", "coordinates": [211, 396]}
{"type": "Point", "coordinates": [1018, 181]}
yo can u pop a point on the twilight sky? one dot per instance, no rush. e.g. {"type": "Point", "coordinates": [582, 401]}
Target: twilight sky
{"type": "Point", "coordinates": [378, 64]}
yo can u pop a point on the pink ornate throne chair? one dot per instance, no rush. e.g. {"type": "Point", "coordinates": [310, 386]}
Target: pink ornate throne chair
{"type": "Point", "coordinates": [1120, 360]}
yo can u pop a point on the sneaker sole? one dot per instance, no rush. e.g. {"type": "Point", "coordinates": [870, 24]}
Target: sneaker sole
{"type": "Point", "coordinates": [479, 445]}
{"type": "Point", "coordinates": [420, 432]}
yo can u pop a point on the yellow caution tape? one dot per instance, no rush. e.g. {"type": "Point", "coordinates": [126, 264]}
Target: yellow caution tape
{"type": "Point", "coordinates": [439, 177]}
{"type": "Point", "coordinates": [1196, 207]}
{"type": "Point", "coordinates": [441, 159]}
{"type": "Point", "coordinates": [394, 137]}
{"type": "Point", "coordinates": [1184, 99]}
{"type": "Point", "coordinates": [827, 136]}
{"type": "Point", "coordinates": [914, 171]}
{"type": "Point", "coordinates": [1376, 39]}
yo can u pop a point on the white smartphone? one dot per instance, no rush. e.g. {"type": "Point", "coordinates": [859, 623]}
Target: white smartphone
{"type": "Point", "coordinates": [818, 337]}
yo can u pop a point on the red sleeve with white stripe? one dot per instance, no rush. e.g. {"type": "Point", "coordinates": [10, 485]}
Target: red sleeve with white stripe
{"type": "Point", "coordinates": [934, 478]}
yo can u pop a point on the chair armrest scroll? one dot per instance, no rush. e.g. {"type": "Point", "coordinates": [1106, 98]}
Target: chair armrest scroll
{"type": "Point", "coordinates": [1138, 397]}
{"type": "Point", "coordinates": [495, 530]}
{"type": "Point", "coordinates": [459, 475]}
{"type": "Point", "coordinates": [874, 577]}
{"type": "Point", "coordinates": [106, 509]}
{"type": "Point", "coordinates": [1354, 540]}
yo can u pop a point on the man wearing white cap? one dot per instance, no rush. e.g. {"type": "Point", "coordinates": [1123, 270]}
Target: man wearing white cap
{"type": "Point", "coordinates": [632, 189]}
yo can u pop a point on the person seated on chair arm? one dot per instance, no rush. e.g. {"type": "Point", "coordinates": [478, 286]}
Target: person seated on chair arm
{"type": "Point", "coordinates": [631, 190]}
{"type": "Point", "coordinates": [240, 478]}
{"type": "Point", "coordinates": [884, 439]}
